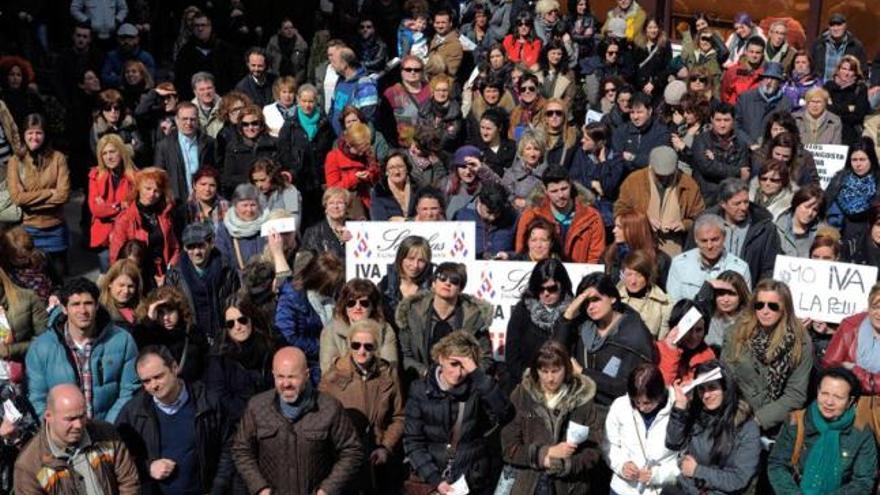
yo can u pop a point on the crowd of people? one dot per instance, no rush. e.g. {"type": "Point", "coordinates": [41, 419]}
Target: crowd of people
{"type": "Point", "coordinates": [216, 355]}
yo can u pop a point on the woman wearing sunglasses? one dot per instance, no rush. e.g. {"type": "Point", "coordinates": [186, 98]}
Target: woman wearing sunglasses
{"type": "Point", "coordinates": [772, 188]}
{"type": "Point", "coordinates": [716, 435]}
{"type": "Point", "coordinates": [522, 44]}
{"type": "Point", "coordinates": [240, 362]}
{"type": "Point", "coordinates": [252, 141]}
{"type": "Point", "coordinates": [608, 338]}
{"type": "Point", "coordinates": [528, 113]}
{"type": "Point", "coordinates": [531, 322]}
{"type": "Point", "coordinates": [359, 300]}
{"type": "Point", "coordinates": [369, 388]}
{"type": "Point", "coordinates": [770, 356]}
{"type": "Point", "coordinates": [700, 57]}
{"type": "Point", "coordinates": [111, 117]}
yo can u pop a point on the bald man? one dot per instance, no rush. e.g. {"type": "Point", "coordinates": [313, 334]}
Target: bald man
{"type": "Point", "coordinates": [72, 454]}
{"type": "Point", "coordinates": [309, 430]}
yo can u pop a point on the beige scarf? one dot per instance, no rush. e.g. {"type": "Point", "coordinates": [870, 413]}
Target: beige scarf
{"type": "Point", "coordinates": [666, 211]}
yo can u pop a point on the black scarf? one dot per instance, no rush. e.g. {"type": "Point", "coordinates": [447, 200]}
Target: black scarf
{"type": "Point", "coordinates": [250, 354]}
{"type": "Point", "coordinates": [203, 289]}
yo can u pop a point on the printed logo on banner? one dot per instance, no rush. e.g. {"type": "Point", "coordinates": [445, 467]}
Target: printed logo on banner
{"type": "Point", "coordinates": [487, 288]}
{"type": "Point", "coordinates": [459, 246]}
{"type": "Point", "coordinates": [362, 245]}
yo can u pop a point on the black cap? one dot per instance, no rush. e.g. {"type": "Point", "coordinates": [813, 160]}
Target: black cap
{"type": "Point", "coordinates": [837, 18]}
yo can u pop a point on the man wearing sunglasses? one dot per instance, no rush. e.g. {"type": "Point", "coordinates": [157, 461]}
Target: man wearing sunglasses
{"type": "Point", "coordinates": [690, 269]}
{"type": "Point", "coordinates": [427, 317]}
{"type": "Point", "coordinates": [406, 97]}
{"type": "Point", "coordinates": [203, 276]}
{"type": "Point", "coordinates": [182, 153]}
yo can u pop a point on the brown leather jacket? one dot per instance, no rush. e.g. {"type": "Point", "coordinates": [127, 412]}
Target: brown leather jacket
{"type": "Point", "coordinates": [40, 192]}
{"type": "Point", "coordinates": [38, 471]}
{"type": "Point", "coordinates": [321, 450]}
{"type": "Point", "coordinates": [374, 402]}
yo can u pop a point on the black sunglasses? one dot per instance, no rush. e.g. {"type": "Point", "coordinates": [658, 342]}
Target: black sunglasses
{"type": "Point", "coordinates": [551, 113]}
{"type": "Point", "coordinates": [364, 303]}
{"type": "Point", "coordinates": [528, 89]}
{"type": "Point", "coordinates": [243, 320]}
{"type": "Point", "coordinates": [413, 70]}
{"type": "Point", "coordinates": [251, 123]}
{"type": "Point", "coordinates": [702, 79]}
{"type": "Point", "coordinates": [550, 289]}
{"type": "Point", "coordinates": [759, 305]}
{"type": "Point", "coordinates": [368, 346]}
{"type": "Point", "coordinates": [452, 279]}
{"type": "Point", "coordinates": [108, 108]}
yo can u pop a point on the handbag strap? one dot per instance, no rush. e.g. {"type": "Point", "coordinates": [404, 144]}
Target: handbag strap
{"type": "Point", "coordinates": [454, 438]}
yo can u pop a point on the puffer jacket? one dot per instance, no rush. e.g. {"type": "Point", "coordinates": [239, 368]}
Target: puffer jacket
{"type": "Point", "coordinates": [430, 416]}
{"type": "Point", "coordinates": [414, 315]}
{"type": "Point", "coordinates": [731, 474]}
{"type": "Point", "coordinates": [374, 402]}
{"type": "Point", "coordinates": [299, 325]}
{"type": "Point", "coordinates": [628, 346]}
{"type": "Point", "coordinates": [535, 428]}
{"type": "Point", "coordinates": [627, 439]}
{"type": "Point", "coordinates": [320, 450]}
{"type": "Point", "coordinates": [334, 343]}
{"type": "Point", "coordinates": [49, 362]}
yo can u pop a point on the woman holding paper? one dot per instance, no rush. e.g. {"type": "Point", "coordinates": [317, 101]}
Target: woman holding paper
{"type": "Point", "coordinates": [684, 347]}
{"type": "Point", "coordinates": [635, 435]}
{"type": "Point", "coordinates": [553, 441]}
{"type": "Point", "coordinates": [715, 432]}
{"type": "Point", "coordinates": [770, 356]}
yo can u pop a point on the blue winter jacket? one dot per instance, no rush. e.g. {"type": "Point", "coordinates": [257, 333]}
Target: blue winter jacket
{"type": "Point", "coordinates": [49, 362]}
{"type": "Point", "coordinates": [300, 326]}
{"type": "Point", "coordinates": [491, 239]}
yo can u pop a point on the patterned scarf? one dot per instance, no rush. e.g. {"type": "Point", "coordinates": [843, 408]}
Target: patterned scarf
{"type": "Point", "coordinates": [778, 362]}
{"type": "Point", "coordinates": [856, 193]}
{"type": "Point", "coordinates": [542, 316]}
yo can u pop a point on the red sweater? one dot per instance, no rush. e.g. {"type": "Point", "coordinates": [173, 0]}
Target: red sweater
{"type": "Point", "coordinates": [105, 203]}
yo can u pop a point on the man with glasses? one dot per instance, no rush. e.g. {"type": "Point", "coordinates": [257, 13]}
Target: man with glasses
{"type": "Point", "coordinates": [691, 269]}
{"type": "Point", "coordinates": [203, 276]}
{"type": "Point", "coordinates": [427, 317]}
{"type": "Point", "coordinates": [777, 49]}
{"type": "Point", "coordinates": [204, 52]}
{"type": "Point", "coordinates": [750, 232]}
{"type": "Point", "coordinates": [833, 44]}
{"type": "Point", "coordinates": [182, 153]}
{"type": "Point", "coordinates": [405, 98]}
{"type": "Point", "coordinates": [371, 50]}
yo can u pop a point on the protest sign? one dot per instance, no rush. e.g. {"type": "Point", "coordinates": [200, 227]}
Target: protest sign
{"type": "Point", "coordinates": [829, 158]}
{"type": "Point", "coordinates": [501, 283]}
{"type": "Point", "coordinates": [825, 290]}
{"type": "Point", "coordinates": [373, 245]}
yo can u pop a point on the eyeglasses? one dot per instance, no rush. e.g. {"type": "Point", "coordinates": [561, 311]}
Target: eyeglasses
{"type": "Point", "coordinates": [368, 346]}
{"type": "Point", "coordinates": [528, 89]}
{"type": "Point", "coordinates": [251, 123]}
{"type": "Point", "coordinates": [610, 90]}
{"type": "Point", "coordinates": [452, 279]}
{"type": "Point", "coordinates": [412, 70]}
{"type": "Point", "coordinates": [554, 113]}
{"type": "Point", "coordinates": [759, 305]}
{"type": "Point", "coordinates": [774, 180]}
{"type": "Point", "coordinates": [242, 320]}
{"type": "Point", "coordinates": [364, 303]}
{"type": "Point", "coordinates": [550, 289]}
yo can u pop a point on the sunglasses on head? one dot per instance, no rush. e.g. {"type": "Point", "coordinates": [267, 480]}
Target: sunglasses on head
{"type": "Point", "coordinates": [364, 303]}
{"type": "Point", "coordinates": [368, 346]}
{"type": "Point", "coordinates": [242, 320]}
{"type": "Point", "coordinates": [759, 305]}
{"type": "Point", "coordinates": [550, 289]}
{"type": "Point", "coordinates": [452, 279]}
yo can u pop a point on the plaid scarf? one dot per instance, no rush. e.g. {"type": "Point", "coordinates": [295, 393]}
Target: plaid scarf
{"type": "Point", "coordinates": [82, 358]}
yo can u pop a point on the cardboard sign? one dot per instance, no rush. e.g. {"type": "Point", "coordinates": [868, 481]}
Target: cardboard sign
{"type": "Point", "coordinates": [501, 283]}
{"type": "Point", "coordinates": [825, 290]}
{"type": "Point", "coordinates": [829, 158]}
{"type": "Point", "coordinates": [373, 245]}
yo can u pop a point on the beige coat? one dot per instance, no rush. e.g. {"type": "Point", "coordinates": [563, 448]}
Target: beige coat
{"type": "Point", "coordinates": [830, 129]}
{"type": "Point", "coordinates": [654, 309]}
{"type": "Point", "coordinates": [334, 343]}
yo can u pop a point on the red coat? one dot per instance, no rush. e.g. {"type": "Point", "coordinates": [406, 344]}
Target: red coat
{"type": "Point", "coordinates": [128, 226]}
{"type": "Point", "coordinates": [585, 240]}
{"type": "Point", "coordinates": [518, 51]}
{"type": "Point", "coordinates": [737, 80]}
{"type": "Point", "coordinates": [843, 348]}
{"type": "Point", "coordinates": [671, 356]}
{"type": "Point", "coordinates": [111, 203]}
{"type": "Point", "coordinates": [340, 169]}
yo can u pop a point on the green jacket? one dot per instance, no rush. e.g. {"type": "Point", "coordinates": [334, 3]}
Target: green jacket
{"type": "Point", "coordinates": [858, 453]}
{"type": "Point", "coordinates": [752, 377]}
{"type": "Point", "coordinates": [28, 318]}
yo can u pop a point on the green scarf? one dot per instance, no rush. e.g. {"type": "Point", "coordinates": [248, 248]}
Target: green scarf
{"type": "Point", "coordinates": [309, 123]}
{"type": "Point", "coordinates": [822, 471]}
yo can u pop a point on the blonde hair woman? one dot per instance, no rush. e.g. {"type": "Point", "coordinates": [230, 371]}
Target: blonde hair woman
{"type": "Point", "coordinates": [110, 183]}
{"type": "Point", "coordinates": [352, 165]}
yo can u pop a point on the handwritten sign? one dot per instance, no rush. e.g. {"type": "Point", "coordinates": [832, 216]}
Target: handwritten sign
{"type": "Point", "coordinates": [501, 283]}
{"type": "Point", "coordinates": [373, 245]}
{"type": "Point", "coordinates": [829, 158]}
{"type": "Point", "coordinates": [825, 290]}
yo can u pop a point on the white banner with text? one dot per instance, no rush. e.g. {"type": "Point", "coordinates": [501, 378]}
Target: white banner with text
{"type": "Point", "coordinates": [829, 158]}
{"type": "Point", "coordinates": [825, 290]}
